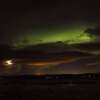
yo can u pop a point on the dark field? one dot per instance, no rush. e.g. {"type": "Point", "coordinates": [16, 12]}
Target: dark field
{"type": "Point", "coordinates": [55, 87]}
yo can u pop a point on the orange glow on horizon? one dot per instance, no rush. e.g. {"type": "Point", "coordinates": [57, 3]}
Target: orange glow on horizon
{"type": "Point", "coordinates": [46, 63]}
{"type": "Point", "coordinates": [39, 74]}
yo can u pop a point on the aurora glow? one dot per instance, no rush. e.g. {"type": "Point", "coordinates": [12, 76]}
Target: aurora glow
{"type": "Point", "coordinates": [71, 34]}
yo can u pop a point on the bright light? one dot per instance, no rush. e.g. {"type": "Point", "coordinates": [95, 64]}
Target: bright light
{"type": "Point", "coordinates": [8, 62]}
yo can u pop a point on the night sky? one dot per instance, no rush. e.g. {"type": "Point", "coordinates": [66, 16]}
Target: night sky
{"type": "Point", "coordinates": [69, 21]}
{"type": "Point", "coordinates": [47, 21]}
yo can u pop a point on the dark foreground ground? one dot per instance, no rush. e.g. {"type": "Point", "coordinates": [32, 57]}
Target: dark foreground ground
{"type": "Point", "coordinates": [55, 87]}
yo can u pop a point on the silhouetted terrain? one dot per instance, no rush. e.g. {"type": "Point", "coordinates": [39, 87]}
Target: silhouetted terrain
{"type": "Point", "coordinates": [59, 87]}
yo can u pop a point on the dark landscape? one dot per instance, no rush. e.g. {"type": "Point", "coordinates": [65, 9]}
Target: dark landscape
{"type": "Point", "coordinates": [77, 87]}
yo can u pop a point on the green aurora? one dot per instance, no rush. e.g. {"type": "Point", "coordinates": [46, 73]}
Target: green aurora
{"type": "Point", "coordinates": [71, 34]}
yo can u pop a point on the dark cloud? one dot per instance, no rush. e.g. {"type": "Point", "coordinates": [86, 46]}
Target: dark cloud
{"type": "Point", "coordinates": [95, 31]}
